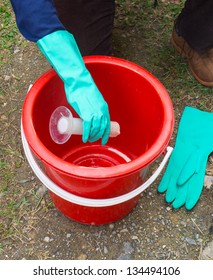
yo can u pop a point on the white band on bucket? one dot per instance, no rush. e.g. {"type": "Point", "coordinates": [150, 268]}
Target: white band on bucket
{"type": "Point", "coordinates": [88, 201]}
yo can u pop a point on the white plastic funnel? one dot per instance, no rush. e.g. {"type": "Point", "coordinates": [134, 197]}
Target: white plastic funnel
{"type": "Point", "coordinates": [62, 125]}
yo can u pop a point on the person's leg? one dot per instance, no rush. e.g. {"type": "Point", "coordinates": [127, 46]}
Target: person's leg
{"type": "Point", "coordinates": [195, 24]}
{"type": "Point", "coordinates": [192, 37]}
{"type": "Point", "coordinates": [91, 23]}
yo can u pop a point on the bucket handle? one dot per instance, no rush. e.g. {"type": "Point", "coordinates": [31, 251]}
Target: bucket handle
{"type": "Point", "coordinates": [83, 201]}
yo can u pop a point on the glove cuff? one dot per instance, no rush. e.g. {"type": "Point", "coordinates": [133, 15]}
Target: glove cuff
{"type": "Point", "coordinates": [62, 52]}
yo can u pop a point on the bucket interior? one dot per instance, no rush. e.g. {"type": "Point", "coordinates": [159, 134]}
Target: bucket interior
{"type": "Point", "coordinates": [136, 99]}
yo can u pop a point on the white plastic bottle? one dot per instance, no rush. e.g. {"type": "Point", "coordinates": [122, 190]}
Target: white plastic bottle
{"type": "Point", "coordinates": [63, 125]}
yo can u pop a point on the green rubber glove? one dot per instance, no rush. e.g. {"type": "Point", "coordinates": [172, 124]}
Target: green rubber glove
{"type": "Point", "coordinates": [184, 176]}
{"type": "Point", "coordinates": [181, 153]}
{"type": "Point", "coordinates": [189, 190]}
{"type": "Point", "coordinates": [62, 52]}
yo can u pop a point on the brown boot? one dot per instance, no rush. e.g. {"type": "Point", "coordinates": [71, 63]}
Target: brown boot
{"type": "Point", "coordinates": [200, 64]}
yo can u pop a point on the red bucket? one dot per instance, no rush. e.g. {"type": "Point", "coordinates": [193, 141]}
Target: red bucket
{"type": "Point", "coordinates": [82, 177]}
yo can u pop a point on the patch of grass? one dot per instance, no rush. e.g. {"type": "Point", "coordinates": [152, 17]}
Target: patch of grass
{"type": "Point", "coordinates": [8, 31]}
{"type": "Point", "coordinates": [6, 175]}
{"type": "Point", "coordinates": [9, 34]}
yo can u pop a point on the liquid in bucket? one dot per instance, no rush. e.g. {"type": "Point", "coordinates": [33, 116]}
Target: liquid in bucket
{"type": "Point", "coordinates": [63, 125]}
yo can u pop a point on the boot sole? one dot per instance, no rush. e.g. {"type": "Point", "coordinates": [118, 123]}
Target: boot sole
{"type": "Point", "coordinates": [181, 52]}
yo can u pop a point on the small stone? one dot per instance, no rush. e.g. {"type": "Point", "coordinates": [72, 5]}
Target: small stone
{"type": "Point", "coordinates": [207, 253]}
{"type": "Point", "coordinates": [124, 230]}
{"type": "Point", "coordinates": [105, 250]}
{"type": "Point", "coordinates": [46, 239]}
{"type": "Point", "coordinates": [82, 257]}
{"type": "Point", "coordinates": [7, 78]}
{"type": "Point", "coordinates": [208, 182]}
{"type": "Point", "coordinates": [190, 241]}
{"type": "Point", "coordinates": [111, 226]}
{"type": "Point", "coordinates": [16, 50]}
{"type": "Point", "coordinates": [41, 191]}
{"type": "Point", "coordinates": [134, 237]}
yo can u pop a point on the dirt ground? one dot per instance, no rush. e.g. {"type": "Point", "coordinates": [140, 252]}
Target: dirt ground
{"type": "Point", "coordinates": [31, 226]}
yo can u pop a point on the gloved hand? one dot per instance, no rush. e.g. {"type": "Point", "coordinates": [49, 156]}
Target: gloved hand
{"type": "Point", "coordinates": [82, 94]}
{"type": "Point", "coordinates": [184, 176]}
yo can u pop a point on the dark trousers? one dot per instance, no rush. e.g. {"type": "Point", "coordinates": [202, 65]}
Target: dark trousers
{"type": "Point", "coordinates": [195, 24]}
{"type": "Point", "coordinates": [91, 23]}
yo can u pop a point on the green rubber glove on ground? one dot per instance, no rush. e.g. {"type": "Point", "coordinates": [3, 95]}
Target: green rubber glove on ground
{"type": "Point", "coordinates": [189, 190]}
{"type": "Point", "coordinates": [185, 173]}
{"type": "Point", "coordinates": [82, 94]}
